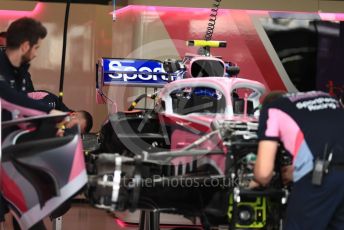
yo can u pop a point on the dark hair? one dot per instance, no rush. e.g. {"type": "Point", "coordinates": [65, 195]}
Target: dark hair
{"type": "Point", "coordinates": [272, 96]}
{"type": "Point", "coordinates": [24, 29]}
{"type": "Point", "coordinates": [89, 120]}
{"type": "Point", "coordinates": [3, 34]}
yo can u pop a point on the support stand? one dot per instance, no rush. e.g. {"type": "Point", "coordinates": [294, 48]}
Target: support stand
{"type": "Point", "coordinates": [149, 220]}
{"type": "Point", "coordinates": [57, 223]}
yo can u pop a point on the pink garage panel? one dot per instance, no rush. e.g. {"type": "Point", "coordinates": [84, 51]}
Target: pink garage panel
{"type": "Point", "coordinates": [244, 45]}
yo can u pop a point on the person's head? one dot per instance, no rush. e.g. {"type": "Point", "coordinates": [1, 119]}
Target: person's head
{"type": "Point", "coordinates": [83, 119]}
{"type": "Point", "coordinates": [272, 96]}
{"type": "Point", "coordinates": [25, 36]}
{"type": "Point", "coordinates": [2, 38]}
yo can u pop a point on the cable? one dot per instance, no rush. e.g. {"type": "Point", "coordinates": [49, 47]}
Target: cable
{"type": "Point", "coordinates": [104, 96]}
{"type": "Point", "coordinates": [212, 20]}
{"type": "Point", "coordinates": [139, 98]}
{"type": "Point", "coordinates": [99, 89]}
{"type": "Point", "coordinates": [64, 45]}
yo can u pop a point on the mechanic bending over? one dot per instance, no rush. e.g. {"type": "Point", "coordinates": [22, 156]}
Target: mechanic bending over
{"type": "Point", "coordinates": [81, 117]}
{"type": "Point", "coordinates": [310, 126]}
{"type": "Point", "coordinates": [22, 40]}
{"type": "Point", "coordinates": [24, 37]}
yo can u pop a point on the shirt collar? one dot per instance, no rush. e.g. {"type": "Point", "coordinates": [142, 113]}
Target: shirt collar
{"type": "Point", "coordinates": [22, 68]}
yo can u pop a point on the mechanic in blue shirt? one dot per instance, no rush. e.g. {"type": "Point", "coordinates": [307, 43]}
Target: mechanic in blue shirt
{"type": "Point", "coordinates": [310, 126]}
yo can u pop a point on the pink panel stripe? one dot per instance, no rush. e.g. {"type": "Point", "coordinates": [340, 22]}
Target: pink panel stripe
{"type": "Point", "coordinates": [298, 142]}
{"type": "Point", "coordinates": [37, 95]}
{"type": "Point", "coordinates": [12, 191]}
{"type": "Point", "coordinates": [78, 162]}
{"type": "Point", "coordinates": [23, 110]}
{"type": "Point", "coordinates": [281, 125]}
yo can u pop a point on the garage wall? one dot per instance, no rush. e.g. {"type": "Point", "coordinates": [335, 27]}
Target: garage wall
{"type": "Point", "coordinates": [162, 32]}
{"type": "Point", "coordinates": [271, 5]}
{"type": "Point", "coordinates": [138, 32]}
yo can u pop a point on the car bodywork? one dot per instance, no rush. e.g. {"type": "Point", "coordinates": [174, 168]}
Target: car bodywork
{"type": "Point", "coordinates": [185, 112]}
{"type": "Point", "coordinates": [39, 170]}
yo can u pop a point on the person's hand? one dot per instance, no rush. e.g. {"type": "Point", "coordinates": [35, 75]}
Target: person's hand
{"type": "Point", "coordinates": [62, 125]}
{"type": "Point", "coordinates": [287, 174]}
{"type": "Point", "coordinates": [56, 112]}
{"type": "Point", "coordinates": [60, 132]}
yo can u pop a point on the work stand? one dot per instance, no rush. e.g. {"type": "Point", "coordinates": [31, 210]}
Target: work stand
{"type": "Point", "coordinates": [149, 220]}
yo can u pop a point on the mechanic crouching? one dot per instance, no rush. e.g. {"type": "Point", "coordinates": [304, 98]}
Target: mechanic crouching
{"type": "Point", "coordinates": [310, 126]}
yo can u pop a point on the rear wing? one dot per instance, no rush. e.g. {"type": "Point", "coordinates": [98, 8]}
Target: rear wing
{"type": "Point", "coordinates": [145, 73]}
{"type": "Point", "coordinates": [133, 72]}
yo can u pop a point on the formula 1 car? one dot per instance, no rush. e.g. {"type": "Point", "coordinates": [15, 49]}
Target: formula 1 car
{"type": "Point", "coordinates": [192, 154]}
{"type": "Point", "coordinates": [205, 93]}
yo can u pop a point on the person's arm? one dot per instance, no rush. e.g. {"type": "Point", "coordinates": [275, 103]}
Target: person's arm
{"type": "Point", "coordinates": [268, 135]}
{"type": "Point", "coordinates": [49, 99]}
{"type": "Point", "coordinates": [12, 100]}
{"type": "Point", "coordinates": [29, 84]}
{"type": "Point", "coordinates": [264, 167]}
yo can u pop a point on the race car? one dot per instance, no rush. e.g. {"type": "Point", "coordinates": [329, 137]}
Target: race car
{"type": "Point", "coordinates": [201, 89]}
{"type": "Point", "coordinates": [202, 128]}
{"type": "Point", "coordinates": [184, 112]}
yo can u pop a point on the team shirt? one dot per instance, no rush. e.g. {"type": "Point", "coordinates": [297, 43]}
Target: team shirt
{"type": "Point", "coordinates": [15, 83]}
{"type": "Point", "coordinates": [305, 123]}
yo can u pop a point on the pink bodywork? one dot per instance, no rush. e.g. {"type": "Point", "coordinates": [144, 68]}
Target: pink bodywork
{"type": "Point", "coordinates": [188, 128]}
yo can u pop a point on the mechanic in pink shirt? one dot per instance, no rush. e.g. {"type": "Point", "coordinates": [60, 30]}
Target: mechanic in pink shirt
{"type": "Point", "coordinates": [310, 126]}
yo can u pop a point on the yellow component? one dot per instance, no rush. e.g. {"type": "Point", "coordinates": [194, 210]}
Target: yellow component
{"type": "Point", "coordinates": [133, 103]}
{"type": "Point", "coordinates": [204, 43]}
{"type": "Point", "coordinates": [61, 126]}
{"type": "Point", "coordinates": [60, 94]}
{"type": "Point", "coordinates": [259, 207]}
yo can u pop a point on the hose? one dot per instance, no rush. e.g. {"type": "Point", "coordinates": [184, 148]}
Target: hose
{"type": "Point", "coordinates": [64, 45]}
{"type": "Point", "coordinates": [139, 98]}
{"type": "Point", "coordinates": [212, 20]}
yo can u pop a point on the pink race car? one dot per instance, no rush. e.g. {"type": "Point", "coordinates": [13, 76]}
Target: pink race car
{"type": "Point", "coordinates": [162, 160]}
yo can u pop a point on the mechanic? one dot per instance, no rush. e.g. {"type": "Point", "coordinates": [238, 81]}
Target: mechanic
{"type": "Point", "coordinates": [82, 118]}
{"type": "Point", "coordinates": [23, 39]}
{"type": "Point", "coordinates": [310, 126]}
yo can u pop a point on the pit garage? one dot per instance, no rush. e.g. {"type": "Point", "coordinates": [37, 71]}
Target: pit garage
{"type": "Point", "coordinates": [150, 114]}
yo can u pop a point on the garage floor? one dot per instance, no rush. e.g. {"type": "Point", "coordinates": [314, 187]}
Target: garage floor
{"type": "Point", "coordinates": [83, 217]}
